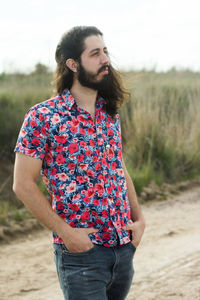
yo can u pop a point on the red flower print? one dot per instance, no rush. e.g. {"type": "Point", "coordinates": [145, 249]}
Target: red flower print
{"type": "Point", "coordinates": [83, 167]}
{"type": "Point", "coordinates": [33, 124]}
{"type": "Point", "coordinates": [114, 178]}
{"type": "Point", "coordinates": [59, 149]}
{"type": "Point", "coordinates": [91, 130]}
{"type": "Point", "coordinates": [80, 157]}
{"type": "Point", "coordinates": [85, 216]}
{"type": "Point", "coordinates": [91, 224]}
{"type": "Point", "coordinates": [82, 131]}
{"type": "Point", "coordinates": [90, 173]}
{"type": "Point", "coordinates": [106, 236]}
{"type": "Point", "coordinates": [88, 153]}
{"type": "Point", "coordinates": [98, 167]}
{"type": "Point", "coordinates": [44, 110]}
{"type": "Point", "coordinates": [74, 207]}
{"type": "Point", "coordinates": [40, 117]}
{"type": "Point", "coordinates": [43, 131]}
{"type": "Point", "coordinates": [74, 122]}
{"type": "Point", "coordinates": [71, 166]}
{"type": "Point", "coordinates": [31, 151]}
{"type": "Point", "coordinates": [112, 142]}
{"type": "Point", "coordinates": [73, 129]}
{"type": "Point", "coordinates": [99, 188]}
{"type": "Point", "coordinates": [71, 187]}
{"type": "Point", "coordinates": [25, 142]}
{"type": "Point", "coordinates": [60, 139]}
{"type": "Point", "coordinates": [89, 193]}
{"type": "Point", "coordinates": [96, 202]}
{"type": "Point", "coordinates": [81, 119]}
{"type": "Point", "coordinates": [118, 202]}
{"type": "Point", "coordinates": [83, 144]}
{"type": "Point", "coordinates": [49, 159]}
{"type": "Point", "coordinates": [76, 197]}
{"type": "Point", "coordinates": [97, 237]}
{"type": "Point", "coordinates": [104, 213]}
{"type": "Point", "coordinates": [72, 216]}
{"type": "Point", "coordinates": [119, 154]}
{"type": "Point", "coordinates": [36, 133]}
{"type": "Point", "coordinates": [99, 221]}
{"type": "Point", "coordinates": [62, 176]}
{"type": "Point", "coordinates": [86, 199]}
{"type": "Point", "coordinates": [104, 201]}
{"type": "Point", "coordinates": [60, 159]}
{"type": "Point", "coordinates": [60, 205]}
{"type": "Point", "coordinates": [110, 154]}
{"type": "Point", "coordinates": [35, 141]}
{"type": "Point", "coordinates": [92, 143]}
{"type": "Point", "coordinates": [104, 228]}
{"type": "Point", "coordinates": [72, 224]}
{"type": "Point", "coordinates": [112, 211]}
{"type": "Point", "coordinates": [62, 128]}
{"type": "Point", "coordinates": [125, 204]}
{"type": "Point", "coordinates": [62, 215]}
{"type": "Point", "coordinates": [70, 98]}
{"type": "Point", "coordinates": [110, 224]}
{"type": "Point", "coordinates": [73, 148]}
{"type": "Point", "coordinates": [95, 159]}
{"type": "Point", "coordinates": [53, 171]}
{"type": "Point", "coordinates": [101, 177]}
{"type": "Point", "coordinates": [51, 103]}
{"type": "Point", "coordinates": [95, 213]}
{"type": "Point", "coordinates": [55, 119]}
{"type": "Point", "coordinates": [81, 179]}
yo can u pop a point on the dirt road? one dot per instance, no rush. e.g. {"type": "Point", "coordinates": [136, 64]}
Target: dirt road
{"type": "Point", "coordinates": [167, 262]}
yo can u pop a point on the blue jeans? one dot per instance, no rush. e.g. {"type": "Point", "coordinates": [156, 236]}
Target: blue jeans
{"type": "Point", "coordinates": [100, 273]}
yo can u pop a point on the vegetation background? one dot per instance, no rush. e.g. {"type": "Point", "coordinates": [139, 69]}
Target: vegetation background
{"type": "Point", "coordinates": [160, 126]}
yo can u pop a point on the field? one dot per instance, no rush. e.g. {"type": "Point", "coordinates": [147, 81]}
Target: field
{"type": "Point", "coordinates": [160, 126]}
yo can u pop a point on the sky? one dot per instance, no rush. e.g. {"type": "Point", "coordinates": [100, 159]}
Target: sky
{"type": "Point", "coordinates": [150, 34]}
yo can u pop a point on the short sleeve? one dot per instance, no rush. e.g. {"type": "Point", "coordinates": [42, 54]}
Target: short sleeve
{"type": "Point", "coordinates": [32, 138]}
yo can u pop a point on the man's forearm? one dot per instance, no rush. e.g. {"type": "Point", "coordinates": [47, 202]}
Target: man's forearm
{"type": "Point", "coordinates": [136, 213]}
{"type": "Point", "coordinates": [30, 194]}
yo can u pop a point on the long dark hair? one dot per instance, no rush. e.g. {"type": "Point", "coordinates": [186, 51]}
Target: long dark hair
{"type": "Point", "coordinates": [72, 45]}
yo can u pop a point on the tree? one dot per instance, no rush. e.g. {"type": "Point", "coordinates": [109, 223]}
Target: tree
{"type": "Point", "coordinates": [40, 69]}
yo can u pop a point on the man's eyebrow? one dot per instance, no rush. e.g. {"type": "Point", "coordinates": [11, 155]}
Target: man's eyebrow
{"type": "Point", "coordinates": [97, 49]}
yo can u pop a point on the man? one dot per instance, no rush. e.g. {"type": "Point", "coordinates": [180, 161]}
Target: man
{"type": "Point", "coordinates": [74, 139]}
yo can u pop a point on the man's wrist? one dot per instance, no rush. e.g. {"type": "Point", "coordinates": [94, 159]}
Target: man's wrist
{"type": "Point", "coordinates": [141, 221]}
{"type": "Point", "coordinates": [64, 230]}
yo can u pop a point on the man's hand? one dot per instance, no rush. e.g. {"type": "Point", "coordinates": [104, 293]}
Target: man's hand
{"type": "Point", "coordinates": [137, 229]}
{"type": "Point", "coordinates": [78, 239]}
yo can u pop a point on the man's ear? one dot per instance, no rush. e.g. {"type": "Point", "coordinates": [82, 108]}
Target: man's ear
{"type": "Point", "coordinates": [72, 64]}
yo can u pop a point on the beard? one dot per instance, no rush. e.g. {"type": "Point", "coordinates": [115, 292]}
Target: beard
{"type": "Point", "coordinates": [88, 79]}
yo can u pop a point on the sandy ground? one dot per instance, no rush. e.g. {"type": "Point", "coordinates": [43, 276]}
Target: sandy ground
{"type": "Point", "coordinates": [167, 261]}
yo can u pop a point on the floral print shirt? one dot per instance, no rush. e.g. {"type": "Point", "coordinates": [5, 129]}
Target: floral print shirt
{"type": "Point", "coordinates": [81, 165]}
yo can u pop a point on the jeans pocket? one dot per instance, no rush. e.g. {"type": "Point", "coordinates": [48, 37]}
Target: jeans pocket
{"type": "Point", "coordinates": [133, 246]}
{"type": "Point", "coordinates": [66, 251]}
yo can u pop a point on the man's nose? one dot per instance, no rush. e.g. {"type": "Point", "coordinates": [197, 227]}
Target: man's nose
{"type": "Point", "coordinates": [104, 59]}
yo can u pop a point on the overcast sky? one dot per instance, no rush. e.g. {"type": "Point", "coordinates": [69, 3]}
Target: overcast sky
{"type": "Point", "coordinates": [139, 34]}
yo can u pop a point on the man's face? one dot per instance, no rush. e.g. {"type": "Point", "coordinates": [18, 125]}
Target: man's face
{"type": "Point", "coordinates": [93, 69]}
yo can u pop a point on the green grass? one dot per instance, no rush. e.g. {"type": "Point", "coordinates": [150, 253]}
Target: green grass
{"type": "Point", "coordinates": [160, 123]}
{"type": "Point", "coordinates": [160, 127]}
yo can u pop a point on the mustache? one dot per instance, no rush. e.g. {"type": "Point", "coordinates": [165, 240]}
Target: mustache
{"type": "Point", "coordinates": [102, 68]}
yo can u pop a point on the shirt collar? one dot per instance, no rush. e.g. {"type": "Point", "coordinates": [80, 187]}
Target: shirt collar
{"type": "Point", "coordinates": [70, 101]}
